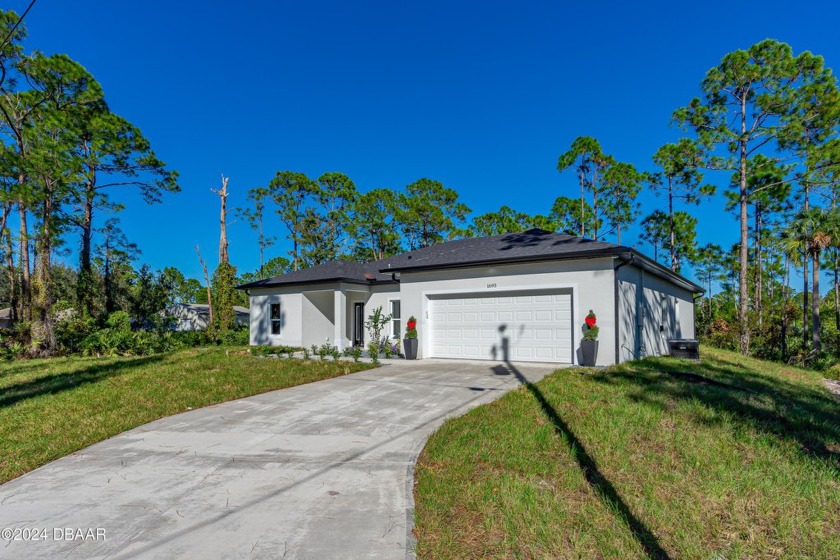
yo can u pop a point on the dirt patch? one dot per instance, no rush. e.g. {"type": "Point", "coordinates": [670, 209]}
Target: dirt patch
{"type": "Point", "coordinates": [833, 387]}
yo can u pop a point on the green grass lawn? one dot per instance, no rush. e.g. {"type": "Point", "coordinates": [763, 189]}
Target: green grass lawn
{"type": "Point", "coordinates": [632, 461]}
{"type": "Point", "coordinates": [49, 408]}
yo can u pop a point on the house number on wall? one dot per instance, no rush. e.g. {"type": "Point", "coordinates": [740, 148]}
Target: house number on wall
{"type": "Point", "coordinates": [493, 285]}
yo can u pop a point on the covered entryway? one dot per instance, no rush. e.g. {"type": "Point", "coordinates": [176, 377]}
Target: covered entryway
{"type": "Point", "coordinates": [521, 326]}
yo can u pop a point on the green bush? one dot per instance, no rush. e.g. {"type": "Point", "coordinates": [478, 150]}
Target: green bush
{"type": "Point", "coordinates": [354, 352]}
{"type": "Point", "coordinates": [72, 332]}
{"type": "Point", "coordinates": [235, 337]}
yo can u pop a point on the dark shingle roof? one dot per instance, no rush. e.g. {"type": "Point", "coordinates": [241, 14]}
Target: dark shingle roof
{"type": "Point", "coordinates": [336, 271]}
{"type": "Point", "coordinates": [530, 245]}
{"type": "Point", "coordinates": [526, 246]}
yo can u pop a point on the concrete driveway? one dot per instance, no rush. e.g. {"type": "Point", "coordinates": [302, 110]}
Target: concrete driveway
{"type": "Point", "coordinates": [317, 471]}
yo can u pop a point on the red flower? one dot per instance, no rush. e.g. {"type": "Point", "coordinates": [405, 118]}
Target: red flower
{"type": "Point", "coordinates": [411, 325]}
{"type": "Point", "coordinates": [590, 319]}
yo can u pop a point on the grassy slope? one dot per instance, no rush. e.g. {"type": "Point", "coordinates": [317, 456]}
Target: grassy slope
{"type": "Point", "coordinates": [49, 408]}
{"type": "Point", "coordinates": [633, 462]}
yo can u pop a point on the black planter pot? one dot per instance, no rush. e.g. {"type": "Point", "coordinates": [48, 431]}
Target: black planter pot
{"type": "Point", "coordinates": [589, 352]}
{"type": "Point", "coordinates": [410, 348]}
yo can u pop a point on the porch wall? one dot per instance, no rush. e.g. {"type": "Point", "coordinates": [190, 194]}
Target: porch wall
{"type": "Point", "coordinates": [317, 314]}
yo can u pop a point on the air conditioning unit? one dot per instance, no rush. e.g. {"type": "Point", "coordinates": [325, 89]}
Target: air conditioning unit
{"type": "Point", "coordinates": [684, 348]}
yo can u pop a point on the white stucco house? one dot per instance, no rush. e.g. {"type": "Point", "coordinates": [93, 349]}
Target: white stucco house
{"type": "Point", "coordinates": [518, 297]}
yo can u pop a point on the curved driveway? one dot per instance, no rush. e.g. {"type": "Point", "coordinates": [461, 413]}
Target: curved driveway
{"type": "Point", "coordinates": [317, 471]}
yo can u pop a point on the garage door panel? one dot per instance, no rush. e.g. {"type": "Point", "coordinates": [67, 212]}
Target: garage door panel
{"type": "Point", "coordinates": [543, 315]}
{"type": "Point", "coordinates": [538, 326]}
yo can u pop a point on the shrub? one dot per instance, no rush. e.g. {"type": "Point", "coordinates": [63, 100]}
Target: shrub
{"type": "Point", "coordinates": [373, 352]}
{"type": "Point", "coordinates": [376, 323]}
{"type": "Point", "coordinates": [325, 350]}
{"type": "Point", "coordinates": [71, 332]}
{"type": "Point", "coordinates": [335, 353]}
{"type": "Point", "coordinates": [354, 352]}
{"type": "Point", "coordinates": [234, 337]}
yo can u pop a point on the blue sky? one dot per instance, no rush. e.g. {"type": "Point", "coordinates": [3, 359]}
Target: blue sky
{"type": "Point", "coordinates": [482, 96]}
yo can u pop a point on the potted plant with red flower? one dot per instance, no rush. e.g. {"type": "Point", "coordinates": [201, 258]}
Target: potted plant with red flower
{"type": "Point", "coordinates": [410, 340]}
{"type": "Point", "coordinates": [589, 344]}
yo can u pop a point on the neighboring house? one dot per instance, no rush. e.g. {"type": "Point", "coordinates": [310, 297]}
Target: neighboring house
{"type": "Point", "coordinates": [520, 296]}
{"type": "Point", "coordinates": [6, 321]}
{"type": "Point", "coordinates": [196, 316]}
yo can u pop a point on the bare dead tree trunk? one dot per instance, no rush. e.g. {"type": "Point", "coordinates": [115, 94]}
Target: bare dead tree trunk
{"type": "Point", "coordinates": [207, 281]}
{"type": "Point", "coordinates": [223, 242]}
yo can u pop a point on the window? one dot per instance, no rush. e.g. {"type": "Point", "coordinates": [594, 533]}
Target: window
{"type": "Point", "coordinates": [275, 318]}
{"type": "Point", "coordinates": [395, 318]}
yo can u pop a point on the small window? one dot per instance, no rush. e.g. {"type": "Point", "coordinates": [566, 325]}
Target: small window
{"type": "Point", "coordinates": [275, 318]}
{"type": "Point", "coordinates": [395, 318]}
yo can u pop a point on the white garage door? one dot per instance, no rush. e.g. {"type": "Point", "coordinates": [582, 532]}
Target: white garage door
{"type": "Point", "coordinates": [519, 326]}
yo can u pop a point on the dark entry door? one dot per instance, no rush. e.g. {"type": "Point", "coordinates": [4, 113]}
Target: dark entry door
{"type": "Point", "coordinates": [358, 324]}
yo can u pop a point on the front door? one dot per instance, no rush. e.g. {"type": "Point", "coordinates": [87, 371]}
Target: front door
{"type": "Point", "coordinates": [358, 324]}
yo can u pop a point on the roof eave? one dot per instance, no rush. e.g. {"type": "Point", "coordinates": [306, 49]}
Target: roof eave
{"type": "Point", "coordinates": [257, 284]}
{"type": "Point", "coordinates": [664, 272]}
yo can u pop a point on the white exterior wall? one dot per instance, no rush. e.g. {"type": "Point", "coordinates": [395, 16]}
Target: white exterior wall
{"type": "Point", "coordinates": [646, 303]}
{"type": "Point", "coordinates": [291, 325]}
{"type": "Point", "coordinates": [591, 281]}
{"type": "Point", "coordinates": [318, 313]}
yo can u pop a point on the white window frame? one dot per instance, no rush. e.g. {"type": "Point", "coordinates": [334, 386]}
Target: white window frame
{"type": "Point", "coordinates": [271, 319]}
{"type": "Point", "coordinates": [398, 319]}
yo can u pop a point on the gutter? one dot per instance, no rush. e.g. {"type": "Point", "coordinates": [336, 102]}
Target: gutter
{"type": "Point", "coordinates": [616, 302]}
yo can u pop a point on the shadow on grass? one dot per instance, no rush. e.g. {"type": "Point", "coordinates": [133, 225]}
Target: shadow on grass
{"type": "Point", "coordinates": [59, 382]}
{"type": "Point", "coordinates": [789, 411]}
{"type": "Point", "coordinates": [603, 488]}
